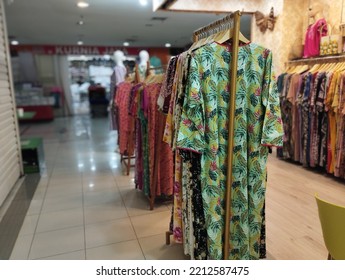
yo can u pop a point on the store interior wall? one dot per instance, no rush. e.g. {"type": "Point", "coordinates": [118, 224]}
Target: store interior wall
{"type": "Point", "coordinates": [288, 29]}
{"type": "Point", "coordinates": [287, 39]}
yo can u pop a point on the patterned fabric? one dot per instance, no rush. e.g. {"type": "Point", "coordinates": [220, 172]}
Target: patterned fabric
{"type": "Point", "coordinates": [187, 213]}
{"type": "Point", "coordinates": [160, 154]}
{"type": "Point", "coordinates": [177, 209]}
{"type": "Point", "coordinates": [203, 129]}
{"type": "Point", "coordinates": [170, 124]}
{"type": "Point", "coordinates": [122, 99]}
{"type": "Point", "coordinates": [199, 237]}
{"type": "Point", "coordinates": [166, 90]}
{"type": "Point", "coordinates": [117, 77]}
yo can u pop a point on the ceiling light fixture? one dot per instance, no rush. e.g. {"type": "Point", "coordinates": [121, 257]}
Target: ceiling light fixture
{"type": "Point", "coordinates": [14, 42]}
{"type": "Point", "coordinates": [80, 43]}
{"type": "Point", "coordinates": [82, 4]}
{"type": "Point", "coordinates": [167, 45]}
{"type": "Point", "coordinates": [126, 44]}
{"type": "Point", "coordinates": [143, 2]}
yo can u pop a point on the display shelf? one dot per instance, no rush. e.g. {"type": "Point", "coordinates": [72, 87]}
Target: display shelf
{"type": "Point", "coordinates": [319, 59]}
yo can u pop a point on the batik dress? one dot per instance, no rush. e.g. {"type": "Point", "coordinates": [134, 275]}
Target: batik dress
{"type": "Point", "coordinates": [203, 129]}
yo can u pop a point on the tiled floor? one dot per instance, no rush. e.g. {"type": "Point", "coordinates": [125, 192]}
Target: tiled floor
{"type": "Point", "coordinates": [84, 208]}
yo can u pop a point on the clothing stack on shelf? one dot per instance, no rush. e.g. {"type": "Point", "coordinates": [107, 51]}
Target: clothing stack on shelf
{"type": "Point", "coordinates": [313, 111]}
{"type": "Point", "coordinates": [196, 129]}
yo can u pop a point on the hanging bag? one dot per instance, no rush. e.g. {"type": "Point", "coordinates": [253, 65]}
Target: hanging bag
{"type": "Point", "coordinates": [330, 44]}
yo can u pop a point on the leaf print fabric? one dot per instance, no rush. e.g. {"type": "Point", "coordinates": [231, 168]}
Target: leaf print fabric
{"type": "Point", "coordinates": [203, 129]}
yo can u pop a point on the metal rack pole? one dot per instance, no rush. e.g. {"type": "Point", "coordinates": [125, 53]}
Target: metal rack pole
{"type": "Point", "coordinates": [233, 79]}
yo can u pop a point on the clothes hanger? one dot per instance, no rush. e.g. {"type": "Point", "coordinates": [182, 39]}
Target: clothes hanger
{"type": "Point", "coordinates": [227, 34]}
{"type": "Point", "coordinates": [204, 37]}
{"type": "Point", "coordinates": [315, 68]}
{"type": "Point", "coordinates": [342, 66]}
{"type": "Point", "coordinates": [303, 69]}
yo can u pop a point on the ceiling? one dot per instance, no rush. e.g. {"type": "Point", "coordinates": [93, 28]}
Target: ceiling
{"type": "Point", "coordinates": [106, 23]}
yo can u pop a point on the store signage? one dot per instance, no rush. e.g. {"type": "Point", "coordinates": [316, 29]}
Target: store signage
{"type": "Point", "coordinates": [83, 50]}
{"type": "Point", "coordinates": [79, 50]}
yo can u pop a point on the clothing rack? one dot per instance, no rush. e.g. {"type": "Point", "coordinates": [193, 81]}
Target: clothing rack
{"type": "Point", "coordinates": [204, 32]}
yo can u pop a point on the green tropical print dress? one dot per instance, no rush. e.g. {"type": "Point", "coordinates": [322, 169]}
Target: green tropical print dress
{"type": "Point", "coordinates": [258, 125]}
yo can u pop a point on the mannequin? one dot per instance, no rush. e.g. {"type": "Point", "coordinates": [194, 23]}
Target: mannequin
{"type": "Point", "coordinates": [144, 58]}
{"type": "Point", "coordinates": [143, 66]}
{"type": "Point", "coordinates": [315, 31]}
{"type": "Point", "coordinates": [316, 12]}
{"type": "Point", "coordinates": [118, 76]}
{"type": "Point", "coordinates": [119, 57]}
{"type": "Point", "coordinates": [120, 69]}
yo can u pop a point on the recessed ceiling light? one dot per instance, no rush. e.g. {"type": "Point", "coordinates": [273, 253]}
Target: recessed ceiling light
{"type": "Point", "coordinates": [80, 43]}
{"type": "Point", "coordinates": [83, 4]}
{"type": "Point", "coordinates": [14, 42]}
{"type": "Point", "coordinates": [80, 22]}
{"type": "Point", "coordinates": [167, 45]}
{"type": "Point", "coordinates": [143, 2]}
{"type": "Point", "coordinates": [126, 44]}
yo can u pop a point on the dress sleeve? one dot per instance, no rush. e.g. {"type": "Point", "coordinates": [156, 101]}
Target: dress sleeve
{"type": "Point", "coordinates": [272, 130]}
{"type": "Point", "coordinates": [191, 134]}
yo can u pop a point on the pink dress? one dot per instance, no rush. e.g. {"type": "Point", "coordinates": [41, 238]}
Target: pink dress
{"type": "Point", "coordinates": [122, 100]}
{"type": "Point", "coordinates": [313, 37]}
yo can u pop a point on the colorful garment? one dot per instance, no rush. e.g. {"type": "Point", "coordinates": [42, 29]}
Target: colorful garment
{"type": "Point", "coordinates": [203, 129]}
{"type": "Point", "coordinates": [160, 154]}
{"type": "Point", "coordinates": [117, 77]}
{"type": "Point", "coordinates": [313, 37]}
{"type": "Point", "coordinates": [122, 99]}
{"type": "Point", "coordinates": [166, 90]}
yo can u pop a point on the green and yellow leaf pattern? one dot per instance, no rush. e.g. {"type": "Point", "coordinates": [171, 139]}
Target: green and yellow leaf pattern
{"type": "Point", "coordinates": [203, 129]}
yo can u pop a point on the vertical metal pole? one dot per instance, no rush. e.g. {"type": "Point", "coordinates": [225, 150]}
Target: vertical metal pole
{"type": "Point", "coordinates": [233, 79]}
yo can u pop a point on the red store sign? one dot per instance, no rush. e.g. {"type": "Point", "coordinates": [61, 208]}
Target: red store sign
{"type": "Point", "coordinates": [80, 50]}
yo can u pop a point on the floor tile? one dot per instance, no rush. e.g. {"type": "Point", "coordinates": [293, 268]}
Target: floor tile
{"type": "Point", "coordinates": [124, 180]}
{"type": "Point", "coordinates": [62, 202]}
{"type": "Point", "coordinates": [97, 185]}
{"type": "Point", "coordinates": [101, 213]}
{"type": "Point", "coordinates": [139, 204]}
{"type": "Point", "coordinates": [56, 190]}
{"type": "Point", "coordinates": [35, 206]}
{"type": "Point", "coordinates": [22, 247]}
{"type": "Point", "coordinates": [100, 179]}
{"type": "Point", "coordinates": [57, 242]}
{"type": "Point", "coordinates": [155, 248]}
{"type": "Point", "coordinates": [105, 198]}
{"type": "Point", "coordinates": [151, 224]}
{"type": "Point", "coordinates": [29, 225]}
{"type": "Point", "coordinates": [128, 250]}
{"type": "Point", "coordinates": [60, 219]}
{"type": "Point", "coordinates": [77, 255]}
{"type": "Point", "coordinates": [65, 180]}
{"type": "Point", "coordinates": [130, 193]}
{"type": "Point", "coordinates": [39, 193]}
{"type": "Point", "coordinates": [109, 232]}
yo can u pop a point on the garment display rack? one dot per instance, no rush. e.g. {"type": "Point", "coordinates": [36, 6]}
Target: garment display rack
{"type": "Point", "coordinates": [229, 23]}
{"type": "Point", "coordinates": [127, 159]}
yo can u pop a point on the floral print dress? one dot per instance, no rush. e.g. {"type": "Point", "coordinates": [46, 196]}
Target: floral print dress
{"type": "Point", "coordinates": [203, 130]}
